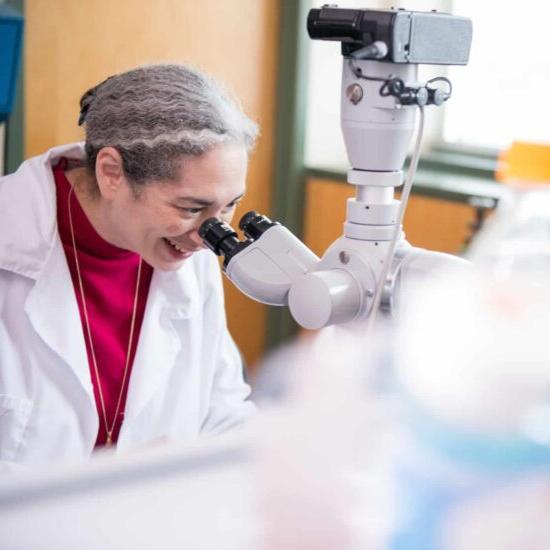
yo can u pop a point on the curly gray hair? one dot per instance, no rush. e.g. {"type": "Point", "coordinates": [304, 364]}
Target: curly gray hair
{"type": "Point", "coordinates": [154, 115]}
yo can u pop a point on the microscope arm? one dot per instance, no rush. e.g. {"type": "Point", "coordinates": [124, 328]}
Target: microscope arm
{"type": "Point", "coordinates": [276, 268]}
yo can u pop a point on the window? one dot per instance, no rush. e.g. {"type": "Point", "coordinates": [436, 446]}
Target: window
{"type": "Point", "coordinates": [502, 94]}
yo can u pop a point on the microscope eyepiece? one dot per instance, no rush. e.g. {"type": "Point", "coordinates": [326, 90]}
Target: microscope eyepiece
{"type": "Point", "coordinates": [211, 224]}
{"type": "Point", "coordinates": [221, 238]}
{"type": "Point", "coordinates": [254, 225]}
{"type": "Point", "coordinates": [218, 236]}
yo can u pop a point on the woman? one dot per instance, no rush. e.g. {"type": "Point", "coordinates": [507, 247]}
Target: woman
{"type": "Point", "coordinates": [112, 324]}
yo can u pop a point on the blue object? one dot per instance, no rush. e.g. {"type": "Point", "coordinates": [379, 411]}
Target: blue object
{"type": "Point", "coordinates": [11, 38]}
{"type": "Point", "coordinates": [444, 468]}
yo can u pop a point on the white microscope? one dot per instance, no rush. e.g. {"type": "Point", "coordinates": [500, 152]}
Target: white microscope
{"type": "Point", "coordinates": [366, 269]}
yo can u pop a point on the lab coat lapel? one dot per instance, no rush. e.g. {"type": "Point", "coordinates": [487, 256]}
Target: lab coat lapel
{"type": "Point", "coordinates": [53, 311]}
{"type": "Point", "coordinates": [172, 296]}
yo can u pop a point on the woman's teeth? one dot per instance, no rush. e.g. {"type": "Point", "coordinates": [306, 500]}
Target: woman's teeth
{"type": "Point", "coordinates": [174, 245]}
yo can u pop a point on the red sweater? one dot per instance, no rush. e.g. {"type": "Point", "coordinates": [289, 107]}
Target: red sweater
{"type": "Point", "coordinates": [109, 276]}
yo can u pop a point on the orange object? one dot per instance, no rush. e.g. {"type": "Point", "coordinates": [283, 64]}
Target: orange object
{"type": "Point", "coordinates": [524, 163]}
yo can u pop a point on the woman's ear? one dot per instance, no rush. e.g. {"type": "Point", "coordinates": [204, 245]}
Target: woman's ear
{"type": "Point", "coordinates": [109, 172]}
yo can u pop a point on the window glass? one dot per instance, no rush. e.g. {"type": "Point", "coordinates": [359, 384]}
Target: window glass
{"type": "Point", "coordinates": [502, 95]}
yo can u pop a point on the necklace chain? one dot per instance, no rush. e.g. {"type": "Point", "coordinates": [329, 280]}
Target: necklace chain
{"type": "Point", "coordinates": [89, 333]}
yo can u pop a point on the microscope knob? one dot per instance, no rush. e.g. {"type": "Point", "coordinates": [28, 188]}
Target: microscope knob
{"type": "Point", "coordinates": [323, 298]}
{"type": "Point", "coordinates": [436, 96]}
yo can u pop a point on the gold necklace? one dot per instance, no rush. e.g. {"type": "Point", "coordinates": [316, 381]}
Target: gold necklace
{"type": "Point", "coordinates": [89, 332]}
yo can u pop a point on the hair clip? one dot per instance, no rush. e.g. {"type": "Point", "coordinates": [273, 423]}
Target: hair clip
{"type": "Point", "coordinates": [86, 101]}
{"type": "Point", "coordinates": [83, 113]}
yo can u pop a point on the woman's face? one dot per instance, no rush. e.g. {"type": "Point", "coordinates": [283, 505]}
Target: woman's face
{"type": "Point", "coordinates": [162, 221]}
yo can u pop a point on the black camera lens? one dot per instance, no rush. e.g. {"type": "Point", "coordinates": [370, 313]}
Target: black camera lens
{"type": "Point", "coordinates": [254, 224]}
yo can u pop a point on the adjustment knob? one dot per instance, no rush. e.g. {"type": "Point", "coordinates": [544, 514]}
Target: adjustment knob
{"type": "Point", "coordinates": [323, 298]}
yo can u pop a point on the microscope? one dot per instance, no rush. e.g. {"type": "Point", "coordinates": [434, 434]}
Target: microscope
{"type": "Point", "coordinates": [367, 268]}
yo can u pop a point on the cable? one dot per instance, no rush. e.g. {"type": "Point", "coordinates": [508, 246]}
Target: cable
{"type": "Point", "coordinates": [397, 232]}
{"type": "Point", "coordinates": [390, 85]}
{"type": "Point", "coordinates": [394, 86]}
{"type": "Point", "coordinates": [442, 79]}
{"type": "Point", "coordinates": [407, 95]}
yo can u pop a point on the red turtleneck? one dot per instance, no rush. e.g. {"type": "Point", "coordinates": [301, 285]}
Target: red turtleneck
{"type": "Point", "coordinates": [109, 276]}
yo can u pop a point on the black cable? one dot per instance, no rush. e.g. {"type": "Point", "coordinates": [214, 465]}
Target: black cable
{"type": "Point", "coordinates": [442, 79]}
{"type": "Point", "coordinates": [395, 86]}
{"type": "Point", "coordinates": [389, 84]}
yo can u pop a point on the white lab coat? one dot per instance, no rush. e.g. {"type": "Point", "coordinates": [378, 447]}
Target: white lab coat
{"type": "Point", "coordinates": [187, 374]}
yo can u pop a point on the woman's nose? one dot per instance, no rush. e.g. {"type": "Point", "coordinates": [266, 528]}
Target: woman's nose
{"type": "Point", "coordinates": [196, 239]}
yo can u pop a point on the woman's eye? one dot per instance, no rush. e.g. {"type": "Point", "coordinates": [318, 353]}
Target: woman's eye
{"type": "Point", "coordinates": [194, 211]}
{"type": "Point", "coordinates": [191, 211]}
{"type": "Point", "coordinates": [229, 207]}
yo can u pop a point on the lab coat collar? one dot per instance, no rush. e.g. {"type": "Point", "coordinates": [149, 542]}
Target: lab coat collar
{"type": "Point", "coordinates": [28, 226]}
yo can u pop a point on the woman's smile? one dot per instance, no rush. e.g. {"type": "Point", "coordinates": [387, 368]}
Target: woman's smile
{"type": "Point", "coordinates": [178, 251]}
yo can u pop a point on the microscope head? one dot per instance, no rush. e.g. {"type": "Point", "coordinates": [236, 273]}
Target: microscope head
{"type": "Point", "coordinates": [410, 36]}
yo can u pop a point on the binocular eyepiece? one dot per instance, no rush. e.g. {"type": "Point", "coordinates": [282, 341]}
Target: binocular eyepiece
{"type": "Point", "coordinates": [253, 225]}
{"type": "Point", "coordinates": [220, 237]}
{"type": "Point", "coordinates": [223, 240]}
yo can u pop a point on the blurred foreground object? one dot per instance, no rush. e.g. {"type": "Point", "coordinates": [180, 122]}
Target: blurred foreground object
{"type": "Point", "coordinates": [474, 373]}
{"type": "Point", "coordinates": [452, 439]}
{"type": "Point", "coordinates": [322, 478]}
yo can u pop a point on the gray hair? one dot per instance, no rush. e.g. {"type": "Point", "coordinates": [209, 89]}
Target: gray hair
{"type": "Point", "coordinates": [154, 115]}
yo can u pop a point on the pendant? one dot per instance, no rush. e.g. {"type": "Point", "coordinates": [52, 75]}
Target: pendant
{"type": "Point", "coordinates": [109, 441]}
